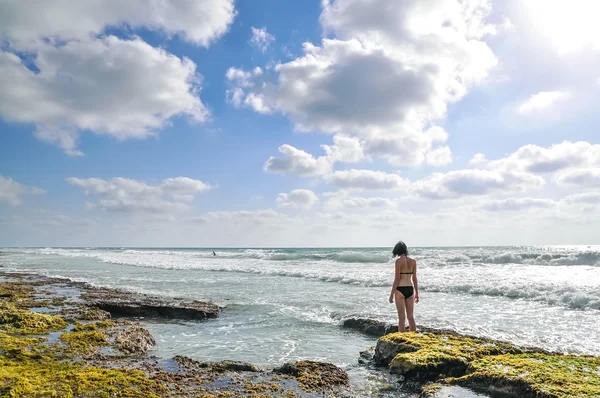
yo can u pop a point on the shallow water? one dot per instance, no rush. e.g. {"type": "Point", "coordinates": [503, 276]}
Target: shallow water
{"type": "Point", "coordinates": [286, 304]}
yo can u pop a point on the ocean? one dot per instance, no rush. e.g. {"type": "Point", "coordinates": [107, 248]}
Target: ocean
{"type": "Point", "coordinates": [286, 304]}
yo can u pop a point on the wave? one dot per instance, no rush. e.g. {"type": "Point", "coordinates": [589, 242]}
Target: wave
{"type": "Point", "coordinates": [572, 297]}
{"type": "Point", "coordinates": [433, 257]}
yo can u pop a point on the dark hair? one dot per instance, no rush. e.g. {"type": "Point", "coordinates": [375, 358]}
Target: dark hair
{"type": "Point", "coordinates": [400, 249]}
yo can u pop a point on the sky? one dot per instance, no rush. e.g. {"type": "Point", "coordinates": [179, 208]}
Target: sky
{"type": "Point", "coordinates": [268, 123]}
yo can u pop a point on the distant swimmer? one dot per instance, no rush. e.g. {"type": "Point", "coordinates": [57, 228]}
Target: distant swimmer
{"type": "Point", "coordinates": [214, 254]}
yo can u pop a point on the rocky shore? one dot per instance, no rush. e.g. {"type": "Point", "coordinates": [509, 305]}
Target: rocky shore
{"type": "Point", "coordinates": [431, 360]}
{"type": "Point", "coordinates": [66, 339]}
{"type": "Point", "coordinates": [60, 338]}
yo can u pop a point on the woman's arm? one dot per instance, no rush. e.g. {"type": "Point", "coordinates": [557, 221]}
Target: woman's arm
{"type": "Point", "coordinates": [397, 267]}
{"type": "Point", "coordinates": [415, 283]}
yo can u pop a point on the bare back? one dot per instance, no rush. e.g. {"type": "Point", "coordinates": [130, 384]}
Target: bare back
{"type": "Point", "coordinates": [406, 271]}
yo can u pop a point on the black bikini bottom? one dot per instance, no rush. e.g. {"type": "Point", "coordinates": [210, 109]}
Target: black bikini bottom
{"type": "Point", "coordinates": [406, 291]}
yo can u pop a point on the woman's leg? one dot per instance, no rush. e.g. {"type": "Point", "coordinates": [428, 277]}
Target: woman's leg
{"type": "Point", "coordinates": [410, 306]}
{"type": "Point", "coordinates": [401, 307]}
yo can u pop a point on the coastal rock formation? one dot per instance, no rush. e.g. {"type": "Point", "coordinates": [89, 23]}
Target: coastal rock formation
{"type": "Point", "coordinates": [315, 376]}
{"type": "Point", "coordinates": [371, 327]}
{"type": "Point", "coordinates": [486, 365]}
{"type": "Point", "coordinates": [222, 366]}
{"type": "Point", "coordinates": [128, 304]}
{"type": "Point", "coordinates": [82, 354]}
{"type": "Point", "coordinates": [132, 338]}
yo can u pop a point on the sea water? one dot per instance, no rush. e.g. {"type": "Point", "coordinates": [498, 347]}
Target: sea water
{"type": "Point", "coordinates": [286, 304]}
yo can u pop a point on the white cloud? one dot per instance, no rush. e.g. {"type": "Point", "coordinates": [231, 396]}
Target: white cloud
{"type": "Point", "coordinates": [344, 149]}
{"type": "Point", "coordinates": [200, 22]}
{"type": "Point", "coordinates": [62, 220]}
{"type": "Point", "coordinates": [257, 103]}
{"type": "Point", "coordinates": [338, 203]}
{"type": "Point", "coordinates": [583, 177]}
{"type": "Point", "coordinates": [183, 186]}
{"type": "Point", "coordinates": [441, 156]}
{"type": "Point", "coordinates": [86, 82]}
{"type": "Point", "coordinates": [478, 158]}
{"type": "Point", "coordinates": [297, 198]}
{"type": "Point", "coordinates": [11, 192]}
{"type": "Point", "coordinates": [467, 182]}
{"type": "Point", "coordinates": [255, 217]}
{"type": "Point", "coordinates": [517, 204]}
{"type": "Point", "coordinates": [536, 159]}
{"type": "Point", "coordinates": [385, 78]}
{"type": "Point", "coordinates": [261, 39]}
{"type": "Point", "coordinates": [570, 25]}
{"type": "Point", "coordinates": [366, 179]}
{"type": "Point", "coordinates": [541, 101]}
{"type": "Point", "coordinates": [583, 198]}
{"type": "Point", "coordinates": [297, 162]}
{"type": "Point", "coordinates": [130, 195]}
{"type": "Point", "coordinates": [241, 77]}
{"type": "Point", "coordinates": [408, 146]}
{"type": "Point", "coordinates": [99, 85]}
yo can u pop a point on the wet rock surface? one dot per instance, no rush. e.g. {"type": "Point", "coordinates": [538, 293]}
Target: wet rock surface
{"type": "Point", "coordinates": [371, 327]}
{"type": "Point", "coordinates": [314, 376]}
{"type": "Point", "coordinates": [127, 304]}
{"type": "Point", "coordinates": [493, 367]}
{"type": "Point", "coordinates": [54, 341]}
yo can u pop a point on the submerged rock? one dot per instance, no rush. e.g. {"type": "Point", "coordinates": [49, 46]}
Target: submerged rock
{"type": "Point", "coordinates": [121, 303]}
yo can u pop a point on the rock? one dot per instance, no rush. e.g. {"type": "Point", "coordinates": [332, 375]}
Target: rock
{"type": "Point", "coordinates": [386, 350]}
{"type": "Point", "coordinates": [120, 303]}
{"type": "Point", "coordinates": [369, 326]}
{"type": "Point", "coordinates": [428, 356]}
{"type": "Point", "coordinates": [493, 367]}
{"type": "Point", "coordinates": [315, 376]}
{"type": "Point", "coordinates": [81, 312]}
{"type": "Point", "coordinates": [366, 356]}
{"type": "Point", "coordinates": [222, 366]}
{"type": "Point", "coordinates": [133, 339]}
{"type": "Point", "coordinates": [534, 375]}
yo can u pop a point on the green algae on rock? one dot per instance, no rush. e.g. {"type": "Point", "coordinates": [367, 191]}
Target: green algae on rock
{"type": "Point", "coordinates": [315, 376]}
{"type": "Point", "coordinates": [486, 365]}
{"type": "Point", "coordinates": [84, 342]}
{"type": "Point", "coordinates": [63, 379]}
{"type": "Point", "coordinates": [535, 375]}
{"type": "Point", "coordinates": [426, 356]}
{"type": "Point", "coordinates": [16, 320]}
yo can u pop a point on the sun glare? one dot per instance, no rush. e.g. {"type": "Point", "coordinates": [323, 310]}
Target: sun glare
{"type": "Point", "coordinates": [571, 25]}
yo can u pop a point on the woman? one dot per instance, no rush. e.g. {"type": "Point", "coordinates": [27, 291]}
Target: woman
{"type": "Point", "coordinates": [405, 287]}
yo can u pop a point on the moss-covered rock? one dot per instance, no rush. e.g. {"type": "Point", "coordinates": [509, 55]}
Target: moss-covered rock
{"type": "Point", "coordinates": [535, 375]}
{"type": "Point", "coordinates": [315, 376]}
{"type": "Point", "coordinates": [17, 320]}
{"type": "Point", "coordinates": [83, 312]}
{"type": "Point", "coordinates": [486, 365]}
{"type": "Point", "coordinates": [428, 356]}
{"type": "Point", "coordinates": [84, 342]}
{"type": "Point", "coordinates": [21, 348]}
{"type": "Point", "coordinates": [31, 379]}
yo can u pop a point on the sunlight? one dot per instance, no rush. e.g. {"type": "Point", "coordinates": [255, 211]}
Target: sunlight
{"type": "Point", "coordinates": [569, 24]}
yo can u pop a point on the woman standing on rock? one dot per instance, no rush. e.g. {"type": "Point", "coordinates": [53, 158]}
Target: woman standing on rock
{"type": "Point", "coordinates": [405, 287]}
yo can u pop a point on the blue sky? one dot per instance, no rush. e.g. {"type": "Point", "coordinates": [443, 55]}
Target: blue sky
{"type": "Point", "coordinates": [269, 123]}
